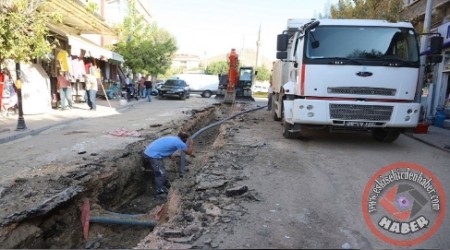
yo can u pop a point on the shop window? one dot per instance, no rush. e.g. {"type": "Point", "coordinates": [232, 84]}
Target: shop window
{"type": "Point", "coordinates": [446, 61]}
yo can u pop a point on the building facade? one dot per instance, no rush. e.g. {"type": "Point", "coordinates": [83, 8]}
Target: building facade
{"type": "Point", "coordinates": [437, 76]}
{"type": "Point", "coordinates": [75, 53]}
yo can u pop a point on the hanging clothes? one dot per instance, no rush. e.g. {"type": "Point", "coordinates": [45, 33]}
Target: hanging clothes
{"type": "Point", "coordinates": [63, 59]}
{"type": "Point", "coordinates": [78, 69]}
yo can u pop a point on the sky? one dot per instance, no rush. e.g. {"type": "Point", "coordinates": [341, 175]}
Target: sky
{"type": "Point", "coordinates": [208, 28]}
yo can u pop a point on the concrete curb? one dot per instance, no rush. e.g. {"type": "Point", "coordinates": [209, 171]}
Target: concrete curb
{"type": "Point", "coordinates": [426, 142]}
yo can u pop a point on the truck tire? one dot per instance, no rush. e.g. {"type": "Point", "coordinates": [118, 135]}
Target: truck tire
{"type": "Point", "coordinates": [183, 96]}
{"type": "Point", "coordinates": [288, 134]}
{"type": "Point", "coordinates": [385, 135]}
{"type": "Point", "coordinates": [206, 94]}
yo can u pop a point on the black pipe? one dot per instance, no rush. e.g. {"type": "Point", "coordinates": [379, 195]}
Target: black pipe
{"type": "Point", "coordinates": [183, 155]}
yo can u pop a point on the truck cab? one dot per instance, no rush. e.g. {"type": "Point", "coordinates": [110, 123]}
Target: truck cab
{"type": "Point", "coordinates": [359, 75]}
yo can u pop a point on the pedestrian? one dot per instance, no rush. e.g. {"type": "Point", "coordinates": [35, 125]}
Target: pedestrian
{"type": "Point", "coordinates": [148, 90]}
{"type": "Point", "coordinates": [9, 100]}
{"type": "Point", "coordinates": [65, 90]}
{"type": "Point", "coordinates": [91, 91]}
{"type": "Point", "coordinates": [269, 95]}
{"type": "Point", "coordinates": [162, 148]}
{"type": "Point", "coordinates": [142, 87]}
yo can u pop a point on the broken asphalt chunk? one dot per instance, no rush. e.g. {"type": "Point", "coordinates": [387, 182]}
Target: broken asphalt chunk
{"type": "Point", "coordinates": [236, 191]}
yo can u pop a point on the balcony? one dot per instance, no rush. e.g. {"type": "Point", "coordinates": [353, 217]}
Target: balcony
{"type": "Point", "coordinates": [415, 12]}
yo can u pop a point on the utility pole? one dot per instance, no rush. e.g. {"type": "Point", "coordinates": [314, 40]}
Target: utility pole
{"type": "Point", "coordinates": [423, 45]}
{"type": "Point", "coordinates": [258, 44]}
{"type": "Point", "coordinates": [20, 120]}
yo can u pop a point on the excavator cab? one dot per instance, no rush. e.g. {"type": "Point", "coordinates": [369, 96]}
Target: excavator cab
{"type": "Point", "coordinates": [243, 88]}
{"type": "Point", "coordinates": [237, 83]}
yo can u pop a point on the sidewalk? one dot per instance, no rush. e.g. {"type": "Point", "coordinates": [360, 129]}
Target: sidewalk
{"type": "Point", "coordinates": [40, 122]}
{"type": "Point", "coordinates": [436, 137]}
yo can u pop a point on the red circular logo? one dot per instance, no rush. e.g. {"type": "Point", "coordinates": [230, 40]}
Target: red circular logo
{"type": "Point", "coordinates": [403, 204]}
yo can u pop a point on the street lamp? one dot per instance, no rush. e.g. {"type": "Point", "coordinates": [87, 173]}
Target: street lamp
{"type": "Point", "coordinates": [21, 121]}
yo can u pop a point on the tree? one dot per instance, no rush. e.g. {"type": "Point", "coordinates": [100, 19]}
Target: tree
{"type": "Point", "coordinates": [23, 29]}
{"type": "Point", "coordinates": [368, 9]}
{"type": "Point", "coordinates": [145, 48]}
{"type": "Point", "coordinates": [215, 68]}
{"type": "Point", "coordinates": [263, 74]}
{"type": "Point", "coordinates": [23, 36]}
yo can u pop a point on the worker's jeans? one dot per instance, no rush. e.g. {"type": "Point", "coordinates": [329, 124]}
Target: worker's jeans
{"type": "Point", "coordinates": [91, 96]}
{"type": "Point", "coordinates": [148, 94]}
{"type": "Point", "coordinates": [269, 101]}
{"type": "Point", "coordinates": [65, 94]}
{"type": "Point", "coordinates": [159, 172]}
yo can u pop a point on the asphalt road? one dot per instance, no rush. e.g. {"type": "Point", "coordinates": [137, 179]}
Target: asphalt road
{"type": "Point", "coordinates": [312, 189]}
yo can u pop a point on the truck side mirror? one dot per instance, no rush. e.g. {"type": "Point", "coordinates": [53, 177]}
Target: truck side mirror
{"type": "Point", "coordinates": [281, 54]}
{"type": "Point", "coordinates": [436, 43]}
{"type": "Point", "coordinates": [435, 58]}
{"type": "Point", "coordinates": [282, 42]}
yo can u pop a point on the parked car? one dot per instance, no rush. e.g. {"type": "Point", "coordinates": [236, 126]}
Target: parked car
{"type": "Point", "coordinates": [205, 85]}
{"type": "Point", "coordinates": [174, 88]}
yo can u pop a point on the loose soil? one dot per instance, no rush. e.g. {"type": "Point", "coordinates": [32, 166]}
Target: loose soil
{"type": "Point", "coordinates": [245, 187]}
{"type": "Point", "coordinates": [42, 209]}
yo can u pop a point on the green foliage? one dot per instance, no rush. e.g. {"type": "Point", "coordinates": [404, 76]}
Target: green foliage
{"type": "Point", "coordinates": [263, 74]}
{"type": "Point", "coordinates": [221, 67]}
{"type": "Point", "coordinates": [146, 48]}
{"type": "Point", "coordinates": [91, 7]}
{"type": "Point", "coordinates": [367, 9]}
{"type": "Point", "coordinates": [215, 68]}
{"type": "Point", "coordinates": [23, 29]}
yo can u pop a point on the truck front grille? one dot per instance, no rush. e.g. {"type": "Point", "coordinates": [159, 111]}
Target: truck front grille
{"type": "Point", "coordinates": [360, 112]}
{"type": "Point", "coordinates": [362, 91]}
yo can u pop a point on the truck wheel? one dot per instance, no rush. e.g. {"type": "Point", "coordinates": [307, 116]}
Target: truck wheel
{"type": "Point", "coordinates": [385, 135]}
{"type": "Point", "coordinates": [183, 96]}
{"type": "Point", "coordinates": [287, 133]}
{"type": "Point", "coordinates": [206, 94]}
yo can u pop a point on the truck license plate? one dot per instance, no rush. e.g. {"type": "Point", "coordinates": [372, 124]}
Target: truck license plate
{"type": "Point", "coordinates": [359, 124]}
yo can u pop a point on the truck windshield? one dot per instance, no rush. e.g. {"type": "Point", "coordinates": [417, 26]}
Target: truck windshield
{"type": "Point", "coordinates": [356, 44]}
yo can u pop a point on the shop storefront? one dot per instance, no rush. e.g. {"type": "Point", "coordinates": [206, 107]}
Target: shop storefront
{"type": "Point", "coordinates": [440, 90]}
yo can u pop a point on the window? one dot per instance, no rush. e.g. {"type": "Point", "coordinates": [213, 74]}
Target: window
{"type": "Point", "coordinates": [362, 43]}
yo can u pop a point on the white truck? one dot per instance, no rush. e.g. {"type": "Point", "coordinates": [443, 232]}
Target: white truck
{"type": "Point", "coordinates": [347, 75]}
{"type": "Point", "coordinates": [205, 85]}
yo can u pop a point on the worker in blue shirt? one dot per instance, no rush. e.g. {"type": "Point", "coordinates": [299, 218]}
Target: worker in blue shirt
{"type": "Point", "coordinates": [162, 148]}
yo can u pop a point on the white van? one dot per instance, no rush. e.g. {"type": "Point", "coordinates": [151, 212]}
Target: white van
{"type": "Point", "coordinates": [205, 85]}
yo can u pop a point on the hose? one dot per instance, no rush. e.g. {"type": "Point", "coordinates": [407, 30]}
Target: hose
{"type": "Point", "coordinates": [223, 120]}
{"type": "Point", "coordinates": [121, 221]}
{"type": "Point", "coordinates": [183, 155]}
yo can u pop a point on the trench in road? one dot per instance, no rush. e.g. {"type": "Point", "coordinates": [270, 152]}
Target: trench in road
{"type": "Point", "coordinates": [121, 184]}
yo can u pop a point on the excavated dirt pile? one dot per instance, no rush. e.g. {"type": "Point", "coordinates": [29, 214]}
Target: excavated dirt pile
{"type": "Point", "coordinates": [54, 209]}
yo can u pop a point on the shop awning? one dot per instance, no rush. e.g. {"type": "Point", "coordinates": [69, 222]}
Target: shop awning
{"type": "Point", "coordinates": [79, 43]}
{"type": "Point", "coordinates": [117, 57]}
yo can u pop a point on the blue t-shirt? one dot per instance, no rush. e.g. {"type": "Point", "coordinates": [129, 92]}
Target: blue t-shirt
{"type": "Point", "coordinates": [164, 147]}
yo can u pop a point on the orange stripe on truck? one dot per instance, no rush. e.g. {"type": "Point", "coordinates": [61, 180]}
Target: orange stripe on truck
{"type": "Point", "coordinates": [302, 80]}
